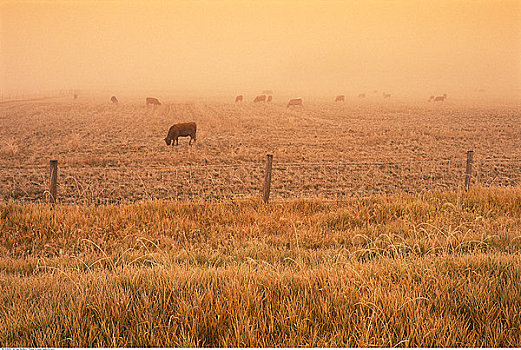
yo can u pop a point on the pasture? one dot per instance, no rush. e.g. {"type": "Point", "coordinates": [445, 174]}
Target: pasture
{"type": "Point", "coordinates": [368, 241]}
{"type": "Point", "coordinates": [115, 153]}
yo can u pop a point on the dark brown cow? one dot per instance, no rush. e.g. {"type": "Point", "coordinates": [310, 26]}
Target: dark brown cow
{"type": "Point", "coordinates": [153, 101]}
{"type": "Point", "coordinates": [269, 98]}
{"type": "Point", "coordinates": [114, 100]}
{"type": "Point", "coordinates": [238, 98]}
{"type": "Point", "coordinates": [340, 98]}
{"type": "Point", "coordinates": [386, 95]}
{"type": "Point", "coordinates": [295, 102]}
{"type": "Point", "coordinates": [181, 130]}
{"type": "Point", "coordinates": [440, 98]}
{"type": "Point", "coordinates": [260, 98]}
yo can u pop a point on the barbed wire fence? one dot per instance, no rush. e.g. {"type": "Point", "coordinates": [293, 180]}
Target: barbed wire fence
{"type": "Point", "coordinates": [324, 180]}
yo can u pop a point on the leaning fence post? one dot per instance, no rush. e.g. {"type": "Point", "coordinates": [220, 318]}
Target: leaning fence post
{"type": "Point", "coordinates": [468, 172]}
{"type": "Point", "coordinates": [267, 178]}
{"type": "Point", "coordinates": [53, 181]}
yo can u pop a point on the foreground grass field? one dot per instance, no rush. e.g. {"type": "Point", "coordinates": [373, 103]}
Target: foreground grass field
{"type": "Point", "coordinates": [432, 269]}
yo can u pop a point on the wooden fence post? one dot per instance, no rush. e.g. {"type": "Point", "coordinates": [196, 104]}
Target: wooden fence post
{"type": "Point", "coordinates": [53, 181]}
{"type": "Point", "coordinates": [468, 172]}
{"type": "Point", "coordinates": [267, 178]}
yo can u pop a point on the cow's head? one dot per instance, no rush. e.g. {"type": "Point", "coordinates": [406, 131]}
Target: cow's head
{"type": "Point", "coordinates": [168, 141]}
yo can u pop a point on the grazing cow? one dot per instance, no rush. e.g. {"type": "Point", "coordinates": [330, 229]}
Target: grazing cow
{"type": "Point", "coordinates": [260, 98]}
{"type": "Point", "coordinates": [361, 95]}
{"type": "Point", "coordinates": [267, 92]}
{"type": "Point", "coordinates": [153, 101]}
{"type": "Point", "coordinates": [340, 98]}
{"type": "Point", "coordinates": [430, 98]}
{"type": "Point", "coordinates": [269, 98]}
{"type": "Point", "coordinates": [238, 98]}
{"type": "Point", "coordinates": [440, 98]}
{"type": "Point", "coordinates": [295, 102]}
{"type": "Point", "coordinates": [181, 129]}
{"type": "Point", "coordinates": [114, 100]}
{"type": "Point", "coordinates": [386, 95]}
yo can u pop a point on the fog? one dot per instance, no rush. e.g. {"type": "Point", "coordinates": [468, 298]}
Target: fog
{"type": "Point", "coordinates": [292, 47]}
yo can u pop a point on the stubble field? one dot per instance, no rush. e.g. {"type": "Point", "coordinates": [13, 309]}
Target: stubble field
{"type": "Point", "coordinates": [401, 257]}
{"type": "Point", "coordinates": [110, 154]}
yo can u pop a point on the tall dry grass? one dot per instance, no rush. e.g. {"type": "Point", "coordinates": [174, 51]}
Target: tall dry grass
{"type": "Point", "coordinates": [433, 269]}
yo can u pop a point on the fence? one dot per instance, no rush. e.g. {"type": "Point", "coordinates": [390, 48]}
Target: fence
{"type": "Point", "coordinates": [13, 96]}
{"type": "Point", "coordinates": [326, 180]}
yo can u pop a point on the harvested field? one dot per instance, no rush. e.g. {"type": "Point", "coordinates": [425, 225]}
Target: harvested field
{"type": "Point", "coordinates": [116, 153]}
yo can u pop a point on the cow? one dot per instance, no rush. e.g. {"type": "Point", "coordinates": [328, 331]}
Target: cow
{"type": "Point", "coordinates": [295, 102]}
{"type": "Point", "coordinates": [181, 130]}
{"type": "Point", "coordinates": [269, 98]}
{"type": "Point", "coordinates": [114, 100]}
{"type": "Point", "coordinates": [75, 96]}
{"type": "Point", "coordinates": [153, 101]}
{"type": "Point", "coordinates": [260, 98]}
{"type": "Point", "coordinates": [361, 95]}
{"type": "Point", "coordinates": [386, 95]}
{"type": "Point", "coordinates": [340, 98]}
{"type": "Point", "coordinates": [440, 98]}
{"type": "Point", "coordinates": [238, 98]}
{"type": "Point", "coordinates": [430, 98]}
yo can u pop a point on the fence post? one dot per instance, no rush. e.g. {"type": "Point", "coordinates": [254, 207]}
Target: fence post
{"type": "Point", "coordinates": [53, 181]}
{"type": "Point", "coordinates": [267, 178]}
{"type": "Point", "coordinates": [468, 172]}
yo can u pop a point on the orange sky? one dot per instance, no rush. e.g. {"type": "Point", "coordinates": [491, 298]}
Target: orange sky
{"type": "Point", "coordinates": [295, 47]}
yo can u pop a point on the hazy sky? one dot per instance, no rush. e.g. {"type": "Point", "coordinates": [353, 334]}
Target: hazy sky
{"type": "Point", "coordinates": [295, 47]}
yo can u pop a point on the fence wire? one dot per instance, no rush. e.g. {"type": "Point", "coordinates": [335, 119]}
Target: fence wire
{"type": "Point", "coordinates": [326, 180]}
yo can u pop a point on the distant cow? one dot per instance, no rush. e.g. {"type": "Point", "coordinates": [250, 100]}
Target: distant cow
{"type": "Point", "coordinates": [269, 98]}
{"type": "Point", "coordinates": [114, 100]}
{"type": "Point", "coordinates": [340, 98]}
{"type": "Point", "coordinates": [440, 98]}
{"type": "Point", "coordinates": [260, 98]}
{"type": "Point", "coordinates": [295, 102]}
{"type": "Point", "coordinates": [75, 96]}
{"type": "Point", "coordinates": [238, 98]}
{"type": "Point", "coordinates": [181, 130]}
{"type": "Point", "coordinates": [361, 95]}
{"type": "Point", "coordinates": [267, 92]}
{"type": "Point", "coordinates": [431, 98]}
{"type": "Point", "coordinates": [386, 95]}
{"type": "Point", "coordinates": [153, 101]}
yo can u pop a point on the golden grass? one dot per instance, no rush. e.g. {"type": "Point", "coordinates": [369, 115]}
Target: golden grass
{"type": "Point", "coordinates": [432, 269]}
